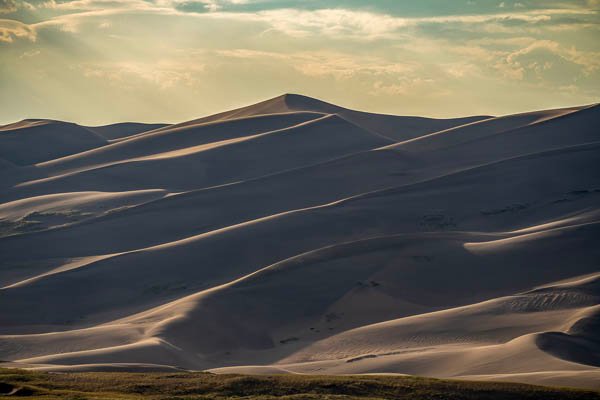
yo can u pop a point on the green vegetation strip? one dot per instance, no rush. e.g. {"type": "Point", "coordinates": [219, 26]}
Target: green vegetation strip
{"type": "Point", "coordinates": [197, 385]}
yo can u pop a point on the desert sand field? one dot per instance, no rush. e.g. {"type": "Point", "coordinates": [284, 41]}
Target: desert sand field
{"type": "Point", "coordinates": [294, 236]}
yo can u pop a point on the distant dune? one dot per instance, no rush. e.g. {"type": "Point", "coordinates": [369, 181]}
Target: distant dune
{"type": "Point", "coordinates": [296, 236]}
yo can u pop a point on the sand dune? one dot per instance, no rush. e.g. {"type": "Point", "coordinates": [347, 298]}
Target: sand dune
{"type": "Point", "coordinates": [123, 130]}
{"type": "Point", "coordinates": [391, 126]}
{"type": "Point", "coordinates": [296, 236]}
{"type": "Point", "coordinates": [32, 141]}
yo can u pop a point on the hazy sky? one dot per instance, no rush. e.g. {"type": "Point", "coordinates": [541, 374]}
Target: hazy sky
{"type": "Point", "coordinates": [101, 61]}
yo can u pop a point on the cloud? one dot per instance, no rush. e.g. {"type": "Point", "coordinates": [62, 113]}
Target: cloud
{"type": "Point", "coordinates": [406, 86]}
{"type": "Point", "coordinates": [30, 53]}
{"type": "Point", "coordinates": [202, 5]}
{"type": "Point", "coordinates": [105, 5]}
{"type": "Point", "coordinates": [348, 24]}
{"type": "Point", "coordinates": [322, 64]}
{"type": "Point", "coordinates": [539, 61]}
{"type": "Point", "coordinates": [332, 22]}
{"type": "Point", "coordinates": [11, 30]}
{"type": "Point", "coordinates": [162, 74]}
{"type": "Point", "coordinates": [370, 75]}
{"type": "Point", "coordinates": [376, 56]}
{"type": "Point", "coordinates": [589, 61]}
{"type": "Point", "coordinates": [8, 6]}
{"type": "Point", "coordinates": [167, 6]}
{"type": "Point", "coordinates": [15, 7]}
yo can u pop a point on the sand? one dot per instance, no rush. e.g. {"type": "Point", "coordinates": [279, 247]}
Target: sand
{"type": "Point", "coordinates": [296, 236]}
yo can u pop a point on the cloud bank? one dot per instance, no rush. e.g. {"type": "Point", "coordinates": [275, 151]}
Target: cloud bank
{"type": "Point", "coordinates": [176, 59]}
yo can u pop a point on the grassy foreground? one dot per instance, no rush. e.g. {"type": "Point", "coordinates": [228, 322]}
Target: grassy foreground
{"type": "Point", "coordinates": [119, 385]}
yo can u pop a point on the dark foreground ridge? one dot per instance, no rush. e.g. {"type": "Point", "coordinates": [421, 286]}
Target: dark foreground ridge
{"type": "Point", "coordinates": [200, 385]}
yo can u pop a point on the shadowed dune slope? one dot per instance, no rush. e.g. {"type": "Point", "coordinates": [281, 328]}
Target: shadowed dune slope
{"type": "Point", "coordinates": [124, 129]}
{"type": "Point", "coordinates": [297, 236]}
{"type": "Point", "coordinates": [174, 138]}
{"type": "Point", "coordinates": [217, 163]}
{"type": "Point", "coordinates": [32, 141]}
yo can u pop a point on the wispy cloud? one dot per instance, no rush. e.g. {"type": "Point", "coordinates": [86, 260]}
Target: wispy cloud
{"type": "Point", "coordinates": [163, 74]}
{"type": "Point", "coordinates": [11, 30]}
{"type": "Point", "coordinates": [8, 6]}
{"type": "Point", "coordinates": [341, 23]}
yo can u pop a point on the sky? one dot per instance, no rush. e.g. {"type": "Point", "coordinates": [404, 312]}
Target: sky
{"type": "Point", "coordinates": [103, 61]}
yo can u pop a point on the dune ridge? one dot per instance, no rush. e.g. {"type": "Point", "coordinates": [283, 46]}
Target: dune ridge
{"type": "Point", "coordinates": [297, 236]}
